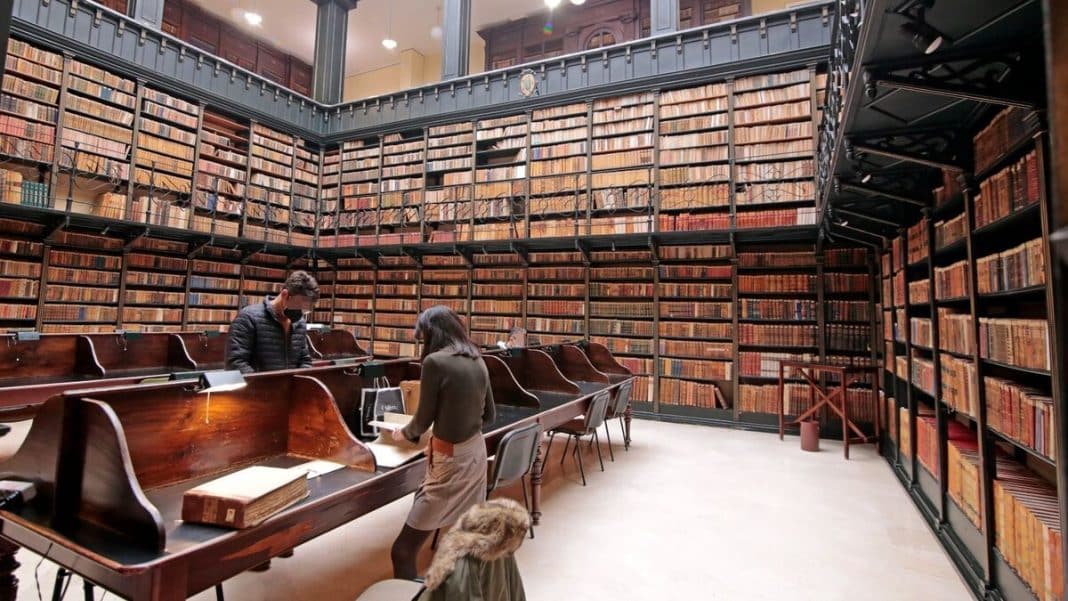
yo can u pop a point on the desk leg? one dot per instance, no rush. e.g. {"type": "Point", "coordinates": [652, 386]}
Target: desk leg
{"type": "Point", "coordinates": [845, 415]}
{"type": "Point", "coordinates": [782, 402]}
{"type": "Point", "coordinates": [9, 583]}
{"type": "Point", "coordinates": [535, 485]}
{"type": "Point", "coordinates": [627, 415]}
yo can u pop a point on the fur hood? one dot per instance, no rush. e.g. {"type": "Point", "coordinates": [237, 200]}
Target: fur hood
{"type": "Point", "coordinates": [488, 531]}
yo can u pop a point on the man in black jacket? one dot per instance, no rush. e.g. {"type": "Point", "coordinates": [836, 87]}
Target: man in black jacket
{"type": "Point", "coordinates": [272, 335]}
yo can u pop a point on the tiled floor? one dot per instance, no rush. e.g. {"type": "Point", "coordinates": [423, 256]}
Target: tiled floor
{"type": "Point", "coordinates": [690, 513]}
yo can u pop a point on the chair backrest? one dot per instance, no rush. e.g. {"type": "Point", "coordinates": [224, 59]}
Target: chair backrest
{"type": "Point", "coordinates": [515, 455]}
{"type": "Point", "coordinates": [622, 398]}
{"type": "Point", "coordinates": [598, 408]}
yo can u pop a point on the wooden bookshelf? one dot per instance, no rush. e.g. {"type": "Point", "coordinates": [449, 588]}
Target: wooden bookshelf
{"type": "Point", "coordinates": [622, 156]}
{"type": "Point", "coordinates": [497, 296]}
{"type": "Point", "coordinates": [154, 283]}
{"type": "Point", "coordinates": [354, 293]}
{"type": "Point", "coordinates": [329, 200]}
{"type": "Point", "coordinates": [271, 185]}
{"type": "Point", "coordinates": [262, 275]}
{"type": "Point", "coordinates": [29, 114]}
{"type": "Point", "coordinates": [558, 190]}
{"type": "Point", "coordinates": [396, 306]}
{"type": "Point", "coordinates": [326, 275]}
{"type": "Point", "coordinates": [446, 281]}
{"type": "Point", "coordinates": [81, 292]}
{"type": "Point", "coordinates": [402, 183]}
{"type": "Point", "coordinates": [360, 173]}
{"type": "Point", "coordinates": [450, 172]}
{"type": "Point", "coordinates": [222, 175]}
{"type": "Point", "coordinates": [304, 204]}
{"type": "Point", "coordinates": [214, 288]}
{"type": "Point", "coordinates": [22, 255]}
{"type": "Point", "coordinates": [556, 297]}
{"type": "Point", "coordinates": [501, 169]}
{"type": "Point", "coordinates": [164, 153]}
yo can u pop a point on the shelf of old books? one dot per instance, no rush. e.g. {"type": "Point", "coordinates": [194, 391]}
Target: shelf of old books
{"type": "Point", "coordinates": [354, 293]}
{"type": "Point", "coordinates": [622, 145]}
{"type": "Point", "coordinates": [326, 275]}
{"type": "Point", "coordinates": [402, 184]}
{"type": "Point", "coordinates": [559, 158]}
{"type": "Point", "coordinates": [778, 320]}
{"type": "Point", "coordinates": [155, 281]}
{"type": "Point", "coordinates": [360, 172]}
{"type": "Point", "coordinates": [622, 312]}
{"type": "Point", "coordinates": [693, 159]}
{"type": "Point", "coordinates": [499, 205]}
{"type": "Point", "coordinates": [29, 110]}
{"type": "Point", "coordinates": [446, 281]}
{"type": "Point", "coordinates": [95, 141]}
{"type": "Point", "coordinates": [164, 154]}
{"type": "Point", "coordinates": [270, 188]}
{"type": "Point", "coordinates": [212, 299]}
{"type": "Point", "coordinates": [497, 296]}
{"type": "Point", "coordinates": [304, 203]}
{"type": "Point", "coordinates": [773, 150]}
{"type": "Point", "coordinates": [21, 257]}
{"type": "Point", "coordinates": [222, 175]}
{"type": "Point", "coordinates": [695, 331]}
{"type": "Point", "coordinates": [556, 297]}
{"type": "Point", "coordinates": [262, 275]}
{"type": "Point", "coordinates": [847, 328]}
{"type": "Point", "coordinates": [450, 169]}
{"type": "Point", "coordinates": [81, 292]}
{"type": "Point", "coordinates": [330, 199]}
{"type": "Point", "coordinates": [396, 306]}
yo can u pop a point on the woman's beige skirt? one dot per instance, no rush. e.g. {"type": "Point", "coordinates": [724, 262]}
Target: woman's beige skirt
{"type": "Point", "coordinates": [451, 486]}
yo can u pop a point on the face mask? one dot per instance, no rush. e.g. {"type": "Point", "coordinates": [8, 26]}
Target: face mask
{"type": "Point", "coordinates": [294, 314]}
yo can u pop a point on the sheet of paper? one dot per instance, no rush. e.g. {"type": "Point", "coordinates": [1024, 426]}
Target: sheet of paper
{"type": "Point", "coordinates": [391, 426]}
{"type": "Point", "coordinates": [318, 467]}
{"type": "Point", "coordinates": [393, 455]}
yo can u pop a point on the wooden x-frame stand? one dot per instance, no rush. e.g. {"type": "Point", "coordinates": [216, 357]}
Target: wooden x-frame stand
{"type": "Point", "coordinates": [832, 396]}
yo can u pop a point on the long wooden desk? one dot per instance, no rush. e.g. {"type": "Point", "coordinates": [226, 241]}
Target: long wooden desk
{"type": "Point", "coordinates": [109, 510]}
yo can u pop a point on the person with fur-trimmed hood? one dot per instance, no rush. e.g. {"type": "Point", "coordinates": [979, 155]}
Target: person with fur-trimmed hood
{"type": "Point", "coordinates": [476, 561]}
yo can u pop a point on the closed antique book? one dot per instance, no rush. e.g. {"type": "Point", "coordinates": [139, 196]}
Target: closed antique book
{"type": "Point", "coordinates": [244, 498]}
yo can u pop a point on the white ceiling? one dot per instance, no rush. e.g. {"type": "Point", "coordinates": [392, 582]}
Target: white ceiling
{"type": "Point", "coordinates": [290, 25]}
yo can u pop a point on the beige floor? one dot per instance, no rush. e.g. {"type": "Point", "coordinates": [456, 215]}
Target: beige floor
{"type": "Point", "coordinates": [690, 512]}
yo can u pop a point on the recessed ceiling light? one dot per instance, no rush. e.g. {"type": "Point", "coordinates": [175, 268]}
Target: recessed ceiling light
{"type": "Point", "coordinates": [389, 43]}
{"type": "Point", "coordinates": [552, 3]}
{"type": "Point", "coordinates": [578, 2]}
{"type": "Point", "coordinates": [253, 19]}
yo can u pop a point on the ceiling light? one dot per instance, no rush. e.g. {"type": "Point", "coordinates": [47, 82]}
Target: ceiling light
{"type": "Point", "coordinates": [389, 43]}
{"type": "Point", "coordinates": [865, 177]}
{"type": "Point", "coordinates": [253, 19]}
{"type": "Point", "coordinates": [578, 2]}
{"type": "Point", "coordinates": [435, 32]}
{"type": "Point", "coordinates": [552, 3]}
{"type": "Point", "coordinates": [925, 38]}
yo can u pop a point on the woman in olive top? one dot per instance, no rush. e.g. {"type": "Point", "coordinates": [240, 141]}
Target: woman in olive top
{"type": "Point", "coordinates": [454, 396]}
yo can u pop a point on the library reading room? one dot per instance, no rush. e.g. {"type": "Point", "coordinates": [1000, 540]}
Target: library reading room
{"type": "Point", "coordinates": [749, 300]}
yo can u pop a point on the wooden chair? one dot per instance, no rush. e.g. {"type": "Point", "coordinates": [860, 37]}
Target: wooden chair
{"type": "Point", "coordinates": [581, 427]}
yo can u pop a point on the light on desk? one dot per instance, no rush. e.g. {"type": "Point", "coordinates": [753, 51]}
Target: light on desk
{"type": "Point", "coordinates": [221, 381]}
{"type": "Point", "coordinates": [27, 336]}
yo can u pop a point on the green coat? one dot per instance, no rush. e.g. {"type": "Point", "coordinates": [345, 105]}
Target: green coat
{"type": "Point", "coordinates": [476, 580]}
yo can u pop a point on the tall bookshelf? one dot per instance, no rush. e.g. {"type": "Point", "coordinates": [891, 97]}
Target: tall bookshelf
{"type": "Point", "coordinates": [622, 311]}
{"type": "Point", "coordinates": [222, 175]}
{"type": "Point", "coordinates": [622, 157]}
{"type": "Point", "coordinates": [262, 275]}
{"type": "Point", "coordinates": [692, 329]}
{"type": "Point", "coordinates": [326, 274]}
{"type": "Point", "coordinates": [450, 169]}
{"type": "Point", "coordinates": [354, 293]}
{"type": "Point", "coordinates": [402, 184]}
{"type": "Point", "coordinates": [80, 292]}
{"type": "Point", "coordinates": [330, 200]}
{"type": "Point", "coordinates": [360, 172]}
{"type": "Point", "coordinates": [973, 361]}
{"type": "Point", "coordinates": [446, 281]}
{"type": "Point", "coordinates": [501, 168]}
{"type": "Point", "coordinates": [558, 188]}
{"type": "Point", "coordinates": [556, 297]}
{"type": "Point", "coordinates": [164, 152]}
{"type": "Point", "coordinates": [497, 289]}
{"type": "Point", "coordinates": [270, 190]}
{"type": "Point", "coordinates": [304, 203]}
{"type": "Point", "coordinates": [213, 289]}
{"type": "Point", "coordinates": [154, 280]}
{"type": "Point", "coordinates": [396, 306]}
{"type": "Point", "coordinates": [693, 158]}
{"type": "Point", "coordinates": [29, 113]}
{"type": "Point", "coordinates": [22, 266]}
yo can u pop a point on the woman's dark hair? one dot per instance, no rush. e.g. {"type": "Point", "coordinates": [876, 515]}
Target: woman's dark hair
{"type": "Point", "coordinates": [442, 330]}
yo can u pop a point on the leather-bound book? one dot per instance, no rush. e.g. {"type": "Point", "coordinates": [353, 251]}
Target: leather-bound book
{"type": "Point", "coordinates": [244, 498]}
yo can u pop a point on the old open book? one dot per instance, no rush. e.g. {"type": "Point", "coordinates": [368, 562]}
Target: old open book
{"type": "Point", "coordinates": [391, 453]}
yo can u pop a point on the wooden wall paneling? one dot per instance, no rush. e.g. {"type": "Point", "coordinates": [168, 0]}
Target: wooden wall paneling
{"type": "Point", "coordinates": [237, 48]}
{"type": "Point", "coordinates": [272, 64]}
{"type": "Point", "coordinates": [172, 17]}
{"type": "Point", "coordinates": [300, 76]}
{"type": "Point", "coordinates": [200, 29]}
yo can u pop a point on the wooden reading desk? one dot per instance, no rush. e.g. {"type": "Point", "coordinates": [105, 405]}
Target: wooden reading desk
{"type": "Point", "coordinates": [108, 509]}
{"type": "Point", "coordinates": [833, 396]}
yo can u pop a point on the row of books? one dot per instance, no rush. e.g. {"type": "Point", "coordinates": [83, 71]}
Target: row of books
{"type": "Point", "coordinates": [687, 393]}
{"type": "Point", "coordinates": [1019, 267]}
{"type": "Point", "coordinates": [1017, 342]}
{"type": "Point", "coordinates": [1007, 191]}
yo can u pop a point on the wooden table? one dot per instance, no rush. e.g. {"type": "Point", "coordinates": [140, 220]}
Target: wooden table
{"type": "Point", "coordinates": [833, 396]}
{"type": "Point", "coordinates": [152, 442]}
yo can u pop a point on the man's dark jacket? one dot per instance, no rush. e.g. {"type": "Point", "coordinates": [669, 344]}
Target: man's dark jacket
{"type": "Point", "coordinates": [257, 342]}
